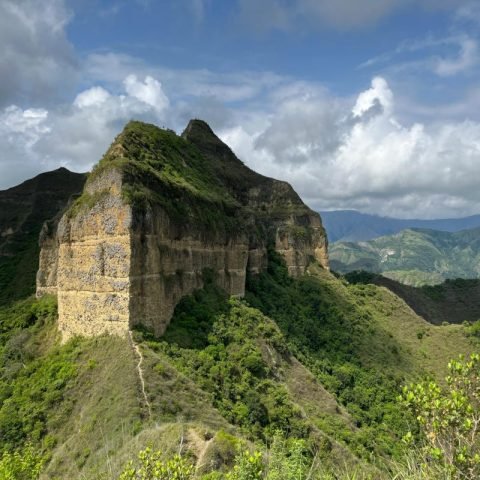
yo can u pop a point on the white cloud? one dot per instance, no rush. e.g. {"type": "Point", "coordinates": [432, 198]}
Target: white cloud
{"type": "Point", "coordinates": [92, 97]}
{"type": "Point", "coordinates": [466, 59]}
{"type": "Point", "coordinates": [337, 152]}
{"type": "Point", "coordinates": [149, 91]}
{"type": "Point", "coordinates": [379, 94]}
{"type": "Point", "coordinates": [33, 140]}
{"type": "Point", "coordinates": [36, 57]}
{"type": "Point", "coordinates": [338, 156]}
{"type": "Point", "coordinates": [445, 57]}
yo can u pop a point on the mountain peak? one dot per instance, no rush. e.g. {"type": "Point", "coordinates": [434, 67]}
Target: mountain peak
{"type": "Point", "coordinates": [197, 128]}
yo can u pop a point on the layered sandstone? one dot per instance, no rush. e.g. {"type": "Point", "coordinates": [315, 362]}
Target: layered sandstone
{"type": "Point", "coordinates": [158, 214]}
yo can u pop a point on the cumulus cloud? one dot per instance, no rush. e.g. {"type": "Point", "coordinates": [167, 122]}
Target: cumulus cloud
{"type": "Point", "coordinates": [353, 152]}
{"type": "Point", "coordinates": [361, 156]}
{"type": "Point", "coordinates": [33, 140]}
{"type": "Point", "coordinates": [92, 97]}
{"type": "Point", "coordinates": [148, 91]}
{"type": "Point", "coordinates": [36, 56]}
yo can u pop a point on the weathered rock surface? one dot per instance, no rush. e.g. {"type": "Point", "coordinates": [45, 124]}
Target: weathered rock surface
{"type": "Point", "coordinates": [158, 214]}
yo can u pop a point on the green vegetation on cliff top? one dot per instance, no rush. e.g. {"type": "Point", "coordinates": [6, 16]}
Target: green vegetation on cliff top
{"type": "Point", "coordinates": [195, 178]}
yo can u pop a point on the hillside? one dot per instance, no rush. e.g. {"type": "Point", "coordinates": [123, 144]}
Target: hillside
{"type": "Point", "coordinates": [453, 301]}
{"type": "Point", "coordinates": [23, 211]}
{"type": "Point", "coordinates": [326, 364]}
{"type": "Point", "coordinates": [185, 304]}
{"type": "Point", "coordinates": [413, 257]}
{"type": "Point", "coordinates": [353, 226]}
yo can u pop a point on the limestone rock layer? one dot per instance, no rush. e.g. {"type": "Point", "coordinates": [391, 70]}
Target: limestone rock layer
{"type": "Point", "coordinates": [159, 214]}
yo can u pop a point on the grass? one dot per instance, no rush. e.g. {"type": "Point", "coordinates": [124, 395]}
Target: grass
{"type": "Point", "coordinates": [161, 169]}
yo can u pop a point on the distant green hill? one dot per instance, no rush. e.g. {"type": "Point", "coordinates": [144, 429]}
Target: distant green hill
{"type": "Point", "coordinates": [353, 226]}
{"type": "Point", "coordinates": [414, 256]}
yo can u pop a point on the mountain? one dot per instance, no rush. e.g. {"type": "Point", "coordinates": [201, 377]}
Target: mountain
{"type": "Point", "coordinates": [157, 212]}
{"type": "Point", "coordinates": [23, 211]}
{"type": "Point", "coordinates": [185, 305]}
{"type": "Point", "coordinates": [414, 256]}
{"type": "Point", "coordinates": [353, 226]}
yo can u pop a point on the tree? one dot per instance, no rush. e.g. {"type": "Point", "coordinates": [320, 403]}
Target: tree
{"type": "Point", "coordinates": [449, 418]}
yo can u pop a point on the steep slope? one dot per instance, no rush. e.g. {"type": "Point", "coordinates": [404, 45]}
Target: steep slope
{"type": "Point", "coordinates": [156, 212]}
{"type": "Point", "coordinates": [326, 365]}
{"type": "Point", "coordinates": [23, 211]}
{"type": "Point", "coordinates": [453, 301]}
{"type": "Point", "coordinates": [413, 256]}
{"type": "Point", "coordinates": [353, 226]}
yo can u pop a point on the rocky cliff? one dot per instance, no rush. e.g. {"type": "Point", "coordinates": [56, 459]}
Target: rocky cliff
{"type": "Point", "coordinates": [159, 213]}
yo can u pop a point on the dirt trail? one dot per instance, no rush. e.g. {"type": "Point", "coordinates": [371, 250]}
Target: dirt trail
{"type": "Point", "coordinates": [139, 355]}
{"type": "Point", "coordinates": [200, 446]}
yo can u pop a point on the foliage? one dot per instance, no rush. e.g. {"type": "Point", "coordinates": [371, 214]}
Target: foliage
{"type": "Point", "coordinates": [160, 168]}
{"type": "Point", "coordinates": [228, 363]}
{"type": "Point", "coordinates": [323, 329]}
{"type": "Point", "coordinates": [150, 466]}
{"type": "Point", "coordinates": [248, 466]}
{"type": "Point", "coordinates": [21, 465]}
{"type": "Point", "coordinates": [31, 385]}
{"type": "Point", "coordinates": [449, 417]}
{"type": "Point", "coordinates": [287, 459]}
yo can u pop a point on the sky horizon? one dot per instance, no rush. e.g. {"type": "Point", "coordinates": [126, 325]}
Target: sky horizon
{"type": "Point", "coordinates": [370, 106]}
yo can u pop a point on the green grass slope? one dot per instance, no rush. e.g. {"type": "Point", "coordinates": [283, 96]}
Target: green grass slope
{"type": "Point", "coordinates": [315, 357]}
{"type": "Point", "coordinates": [453, 301]}
{"type": "Point", "coordinates": [414, 257]}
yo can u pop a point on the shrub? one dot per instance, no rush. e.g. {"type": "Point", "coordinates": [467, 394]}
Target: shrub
{"type": "Point", "coordinates": [21, 465]}
{"type": "Point", "coordinates": [449, 418]}
{"type": "Point", "coordinates": [150, 466]}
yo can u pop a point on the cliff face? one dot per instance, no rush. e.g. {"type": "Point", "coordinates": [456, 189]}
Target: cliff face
{"type": "Point", "coordinates": [158, 213]}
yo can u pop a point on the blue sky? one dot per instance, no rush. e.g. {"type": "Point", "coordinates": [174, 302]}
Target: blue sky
{"type": "Point", "coordinates": [371, 105]}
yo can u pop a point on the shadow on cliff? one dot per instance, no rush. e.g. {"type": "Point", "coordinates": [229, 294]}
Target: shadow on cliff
{"type": "Point", "coordinates": [195, 315]}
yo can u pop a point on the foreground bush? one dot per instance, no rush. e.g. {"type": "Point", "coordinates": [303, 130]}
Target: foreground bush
{"type": "Point", "coordinates": [449, 419]}
{"type": "Point", "coordinates": [24, 465]}
{"type": "Point", "coordinates": [150, 466]}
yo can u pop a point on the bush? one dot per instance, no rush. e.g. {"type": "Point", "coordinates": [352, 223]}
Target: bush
{"type": "Point", "coordinates": [21, 465]}
{"type": "Point", "coordinates": [449, 418]}
{"type": "Point", "coordinates": [150, 466]}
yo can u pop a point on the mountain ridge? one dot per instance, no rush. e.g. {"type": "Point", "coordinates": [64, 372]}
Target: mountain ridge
{"type": "Point", "coordinates": [414, 256]}
{"type": "Point", "coordinates": [354, 226]}
{"type": "Point", "coordinates": [156, 212]}
{"type": "Point", "coordinates": [23, 211]}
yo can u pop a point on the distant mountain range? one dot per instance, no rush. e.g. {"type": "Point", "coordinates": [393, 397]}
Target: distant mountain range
{"type": "Point", "coordinates": [413, 256]}
{"type": "Point", "coordinates": [353, 226]}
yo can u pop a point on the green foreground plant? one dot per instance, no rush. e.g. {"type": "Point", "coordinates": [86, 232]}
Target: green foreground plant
{"type": "Point", "coordinates": [449, 418]}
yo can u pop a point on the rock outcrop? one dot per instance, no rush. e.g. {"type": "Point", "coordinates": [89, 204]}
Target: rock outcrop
{"type": "Point", "coordinates": [158, 214]}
